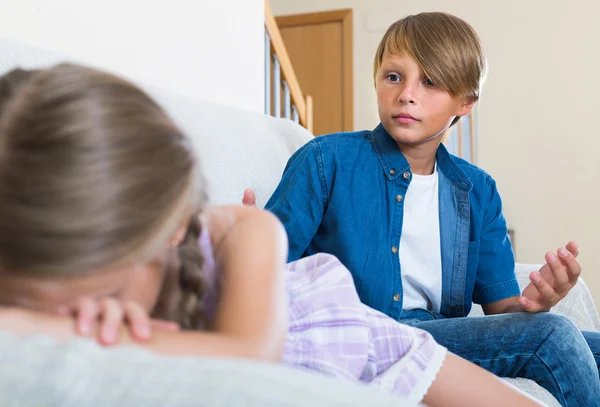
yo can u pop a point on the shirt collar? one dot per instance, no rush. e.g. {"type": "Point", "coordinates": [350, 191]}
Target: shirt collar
{"type": "Point", "coordinates": [395, 164]}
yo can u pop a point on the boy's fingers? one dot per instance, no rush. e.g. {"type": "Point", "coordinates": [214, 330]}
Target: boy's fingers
{"type": "Point", "coordinates": [546, 291]}
{"type": "Point", "coordinates": [573, 247]}
{"type": "Point", "coordinates": [559, 270]}
{"type": "Point", "coordinates": [529, 305]}
{"type": "Point", "coordinates": [572, 266]}
{"type": "Point", "coordinates": [249, 198]}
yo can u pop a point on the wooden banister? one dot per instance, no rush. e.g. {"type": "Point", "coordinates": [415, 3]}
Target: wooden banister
{"type": "Point", "coordinates": [309, 113]}
{"type": "Point", "coordinates": [303, 105]}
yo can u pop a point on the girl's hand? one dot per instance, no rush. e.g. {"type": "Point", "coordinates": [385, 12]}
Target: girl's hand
{"type": "Point", "coordinates": [166, 340]}
{"type": "Point", "coordinates": [106, 317]}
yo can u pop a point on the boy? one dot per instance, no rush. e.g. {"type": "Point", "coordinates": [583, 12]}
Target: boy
{"type": "Point", "coordinates": [422, 231]}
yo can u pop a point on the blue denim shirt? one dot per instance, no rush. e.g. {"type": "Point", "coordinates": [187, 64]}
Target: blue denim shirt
{"type": "Point", "coordinates": [344, 194]}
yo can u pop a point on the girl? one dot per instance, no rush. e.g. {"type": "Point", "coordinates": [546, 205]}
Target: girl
{"type": "Point", "coordinates": [101, 198]}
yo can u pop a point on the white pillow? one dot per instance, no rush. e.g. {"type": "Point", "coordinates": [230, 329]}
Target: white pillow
{"type": "Point", "coordinates": [239, 149]}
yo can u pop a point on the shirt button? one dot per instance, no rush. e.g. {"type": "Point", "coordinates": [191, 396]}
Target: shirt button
{"type": "Point", "coordinates": [394, 249]}
{"type": "Point", "coordinates": [392, 172]}
{"type": "Point", "coordinates": [399, 198]}
{"type": "Point", "coordinates": [396, 297]}
{"type": "Point", "coordinates": [406, 175]}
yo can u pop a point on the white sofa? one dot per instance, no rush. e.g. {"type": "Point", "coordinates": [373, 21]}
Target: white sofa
{"type": "Point", "coordinates": [239, 149]}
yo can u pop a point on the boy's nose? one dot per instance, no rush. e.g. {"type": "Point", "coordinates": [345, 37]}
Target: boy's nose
{"type": "Point", "coordinates": [406, 96]}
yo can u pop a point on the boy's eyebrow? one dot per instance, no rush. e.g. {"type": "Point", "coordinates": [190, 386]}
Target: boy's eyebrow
{"type": "Point", "coordinates": [389, 62]}
{"type": "Point", "coordinates": [390, 65]}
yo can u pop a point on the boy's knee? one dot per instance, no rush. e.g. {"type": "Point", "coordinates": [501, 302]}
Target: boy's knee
{"type": "Point", "coordinates": [554, 320]}
{"type": "Point", "coordinates": [562, 327]}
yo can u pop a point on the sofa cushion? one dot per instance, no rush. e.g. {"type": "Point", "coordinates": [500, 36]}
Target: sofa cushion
{"type": "Point", "coordinates": [37, 371]}
{"type": "Point", "coordinates": [239, 149]}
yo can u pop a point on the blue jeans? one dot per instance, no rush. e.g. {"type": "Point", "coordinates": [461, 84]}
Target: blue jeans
{"type": "Point", "coordinates": [544, 347]}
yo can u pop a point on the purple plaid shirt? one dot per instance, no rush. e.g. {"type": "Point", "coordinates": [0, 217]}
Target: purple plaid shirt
{"type": "Point", "coordinates": [332, 332]}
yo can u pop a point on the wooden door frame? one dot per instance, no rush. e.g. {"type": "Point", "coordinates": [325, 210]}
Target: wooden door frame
{"type": "Point", "coordinates": [343, 16]}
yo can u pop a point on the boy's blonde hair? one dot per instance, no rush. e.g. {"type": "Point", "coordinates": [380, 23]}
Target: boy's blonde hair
{"type": "Point", "coordinates": [445, 47]}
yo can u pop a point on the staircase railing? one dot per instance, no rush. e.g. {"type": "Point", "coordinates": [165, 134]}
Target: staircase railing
{"type": "Point", "coordinates": [283, 95]}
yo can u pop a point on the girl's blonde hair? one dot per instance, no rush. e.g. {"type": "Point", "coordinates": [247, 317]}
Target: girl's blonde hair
{"type": "Point", "coordinates": [93, 175]}
{"type": "Point", "coordinates": [446, 48]}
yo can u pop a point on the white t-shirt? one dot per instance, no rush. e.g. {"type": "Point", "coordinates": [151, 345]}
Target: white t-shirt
{"type": "Point", "coordinates": [420, 252]}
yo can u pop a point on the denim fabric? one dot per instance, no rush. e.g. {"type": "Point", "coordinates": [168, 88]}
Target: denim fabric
{"type": "Point", "coordinates": [343, 194]}
{"type": "Point", "coordinates": [544, 347]}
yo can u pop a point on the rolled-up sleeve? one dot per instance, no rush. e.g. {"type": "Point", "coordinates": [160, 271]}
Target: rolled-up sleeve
{"type": "Point", "coordinates": [300, 199]}
{"type": "Point", "coordinates": [496, 279]}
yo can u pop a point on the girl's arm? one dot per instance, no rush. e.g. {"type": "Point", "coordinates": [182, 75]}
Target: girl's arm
{"type": "Point", "coordinates": [460, 383]}
{"type": "Point", "coordinates": [250, 249]}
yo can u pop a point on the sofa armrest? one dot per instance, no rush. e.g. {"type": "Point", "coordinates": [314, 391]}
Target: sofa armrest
{"type": "Point", "coordinates": [578, 305]}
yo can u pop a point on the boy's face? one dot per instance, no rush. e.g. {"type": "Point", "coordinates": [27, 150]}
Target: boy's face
{"type": "Point", "coordinates": [411, 108]}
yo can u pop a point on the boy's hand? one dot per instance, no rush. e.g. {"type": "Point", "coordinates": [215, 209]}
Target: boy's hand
{"type": "Point", "coordinates": [107, 316]}
{"type": "Point", "coordinates": [249, 198]}
{"type": "Point", "coordinates": [553, 281]}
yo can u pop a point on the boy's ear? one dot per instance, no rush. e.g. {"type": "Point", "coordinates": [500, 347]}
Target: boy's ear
{"type": "Point", "coordinates": [467, 105]}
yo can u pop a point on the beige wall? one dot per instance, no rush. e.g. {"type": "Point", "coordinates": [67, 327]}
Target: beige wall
{"type": "Point", "coordinates": [537, 119]}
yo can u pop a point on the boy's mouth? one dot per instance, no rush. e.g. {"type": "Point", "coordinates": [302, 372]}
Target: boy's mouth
{"type": "Point", "coordinates": [404, 118]}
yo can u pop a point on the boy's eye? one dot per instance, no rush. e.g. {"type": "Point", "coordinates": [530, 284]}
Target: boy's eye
{"type": "Point", "coordinates": [428, 82]}
{"type": "Point", "coordinates": [393, 77]}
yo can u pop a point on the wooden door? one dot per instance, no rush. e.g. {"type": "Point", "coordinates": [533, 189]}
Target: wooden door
{"type": "Point", "coordinates": [320, 49]}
